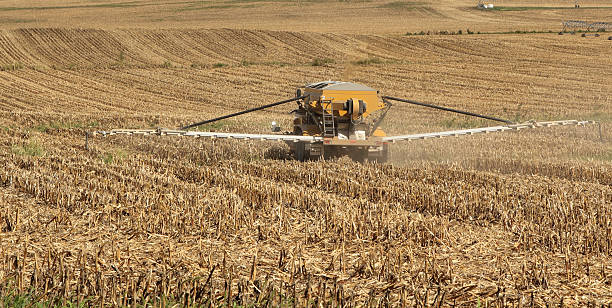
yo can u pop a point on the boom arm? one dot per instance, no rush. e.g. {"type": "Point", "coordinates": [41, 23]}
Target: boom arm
{"type": "Point", "coordinates": [298, 138]}
{"type": "Point", "coordinates": [295, 138]}
{"type": "Point", "coordinates": [455, 133]}
{"type": "Point", "coordinates": [211, 135]}
{"type": "Point", "coordinates": [243, 112]}
{"type": "Point", "coordinates": [491, 129]}
{"type": "Point", "coordinates": [447, 109]}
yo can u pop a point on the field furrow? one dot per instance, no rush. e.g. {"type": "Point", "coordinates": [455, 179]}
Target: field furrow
{"type": "Point", "coordinates": [517, 218]}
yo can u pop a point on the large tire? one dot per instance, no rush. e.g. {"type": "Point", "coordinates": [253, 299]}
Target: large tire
{"type": "Point", "coordinates": [300, 151]}
{"type": "Point", "coordinates": [383, 157]}
{"type": "Point", "coordinates": [359, 156]}
{"type": "Point", "coordinates": [362, 107]}
{"type": "Point", "coordinates": [385, 154]}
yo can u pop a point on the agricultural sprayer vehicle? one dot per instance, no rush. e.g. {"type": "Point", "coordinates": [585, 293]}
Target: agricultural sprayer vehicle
{"type": "Point", "coordinates": [335, 118]}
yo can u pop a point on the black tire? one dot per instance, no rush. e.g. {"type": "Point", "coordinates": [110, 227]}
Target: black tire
{"type": "Point", "coordinates": [383, 157]}
{"type": "Point", "coordinates": [362, 107]}
{"type": "Point", "coordinates": [385, 154]}
{"type": "Point", "coordinates": [359, 155]}
{"type": "Point", "coordinates": [300, 151]}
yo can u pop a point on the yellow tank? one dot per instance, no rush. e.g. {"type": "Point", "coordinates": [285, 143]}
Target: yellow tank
{"type": "Point", "coordinates": [343, 97]}
{"type": "Point", "coordinates": [346, 115]}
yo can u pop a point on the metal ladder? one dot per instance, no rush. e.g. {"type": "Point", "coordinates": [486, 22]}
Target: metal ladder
{"type": "Point", "coordinates": [329, 127]}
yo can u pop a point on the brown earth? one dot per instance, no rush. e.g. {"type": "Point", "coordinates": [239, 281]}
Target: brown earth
{"type": "Point", "coordinates": [353, 16]}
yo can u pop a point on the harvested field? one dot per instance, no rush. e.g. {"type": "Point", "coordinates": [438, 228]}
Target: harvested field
{"type": "Point", "coordinates": [510, 219]}
{"type": "Point", "coordinates": [352, 16]}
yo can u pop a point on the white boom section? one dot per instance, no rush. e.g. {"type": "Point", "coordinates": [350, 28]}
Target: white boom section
{"type": "Point", "coordinates": [492, 129]}
{"type": "Point", "coordinates": [312, 139]}
{"type": "Point", "coordinates": [212, 135]}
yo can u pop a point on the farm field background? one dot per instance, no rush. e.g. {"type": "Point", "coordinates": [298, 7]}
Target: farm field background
{"type": "Point", "coordinates": [501, 219]}
{"type": "Point", "coordinates": [352, 16]}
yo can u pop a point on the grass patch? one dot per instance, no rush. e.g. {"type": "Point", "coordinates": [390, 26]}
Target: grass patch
{"type": "Point", "coordinates": [598, 116]}
{"type": "Point", "coordinates": [322, 61]}
{"type": "Point", "coordinates": [31, 148]}
{"type": "Point", "coordinates": [11, 67]}
{"type": "Point", "coordinates": [457, 123]}
{"type": "Point", "coordinates": [368, 61]}
{"type": "Point", "coordinates": [604, 157]}
{"type": "Point", "coordinates": [43, 128]}
{"type": "Point", "coordinates": [167, 64]}
{"type": "Point", "coordinates": [402, 5]}
{"type": "Point", "coordinates": [13, 299]}
{"type": "Point", "coordinates": [532, 8]}
{"type": "Point", "coordinates": [113, 156]}
{"type": "Point", "coordinates": [213, 126]}
{"type": "Point", "coordinates": [247, 63]}
{"type": "Point", "coordinates": [29, 300]}
{"type": "Point", "coordinates": [196, 7]}
{"type": "Point", "coordinates": [121, 59]}
{"type": "Point", "coordinates": [276, 63]}
{"type": "Point", "coordinates": [219, 65]}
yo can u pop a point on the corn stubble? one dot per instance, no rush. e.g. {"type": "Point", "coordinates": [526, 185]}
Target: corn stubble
{"type": "Point", "coordinates": [167, 224]}
{"type": "Point", "coordinates": [513, 219]}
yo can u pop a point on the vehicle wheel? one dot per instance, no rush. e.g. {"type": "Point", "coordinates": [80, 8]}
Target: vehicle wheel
{"type": "Point", "coordinates": [300, 151]}
{"type": "Point", "coordinates": [383, 157]}
{"type": "Point", "coordinates": [359, 155]}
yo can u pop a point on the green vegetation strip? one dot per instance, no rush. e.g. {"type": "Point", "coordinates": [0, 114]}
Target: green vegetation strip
{"type": "Point", "coordinates": [402, 5]}
{"type": "Point", "coordinates": [31, 148]}
{"type": "Point", "coordinates": [469, 32]}
{"type": "Point", "coordinates": [530, 8]}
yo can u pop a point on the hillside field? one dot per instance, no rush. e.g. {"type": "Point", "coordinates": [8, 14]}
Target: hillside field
{"type": "Point", "coordinates": [512, 219]}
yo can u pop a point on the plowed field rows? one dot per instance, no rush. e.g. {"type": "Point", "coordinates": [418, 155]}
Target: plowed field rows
{"type": "Point", "coordinates": [366, 17]}
{"type": "Point", "coordinates": [512, 219]}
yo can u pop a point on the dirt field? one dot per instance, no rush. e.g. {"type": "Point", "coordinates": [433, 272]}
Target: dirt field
{"type": "Point", "coordinates": [510, 219]}
{"type": "Point", "coordinates": [346, 16]}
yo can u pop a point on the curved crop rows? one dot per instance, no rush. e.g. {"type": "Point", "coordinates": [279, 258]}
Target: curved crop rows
{"type": "Point", "coordinates": [62, 47]}
{"type": "Point", "coordinates": [499, 219]}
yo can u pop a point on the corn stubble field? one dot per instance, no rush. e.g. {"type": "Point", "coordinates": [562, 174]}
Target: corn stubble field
{"type": "Point", "coordinates": [513, 219]}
